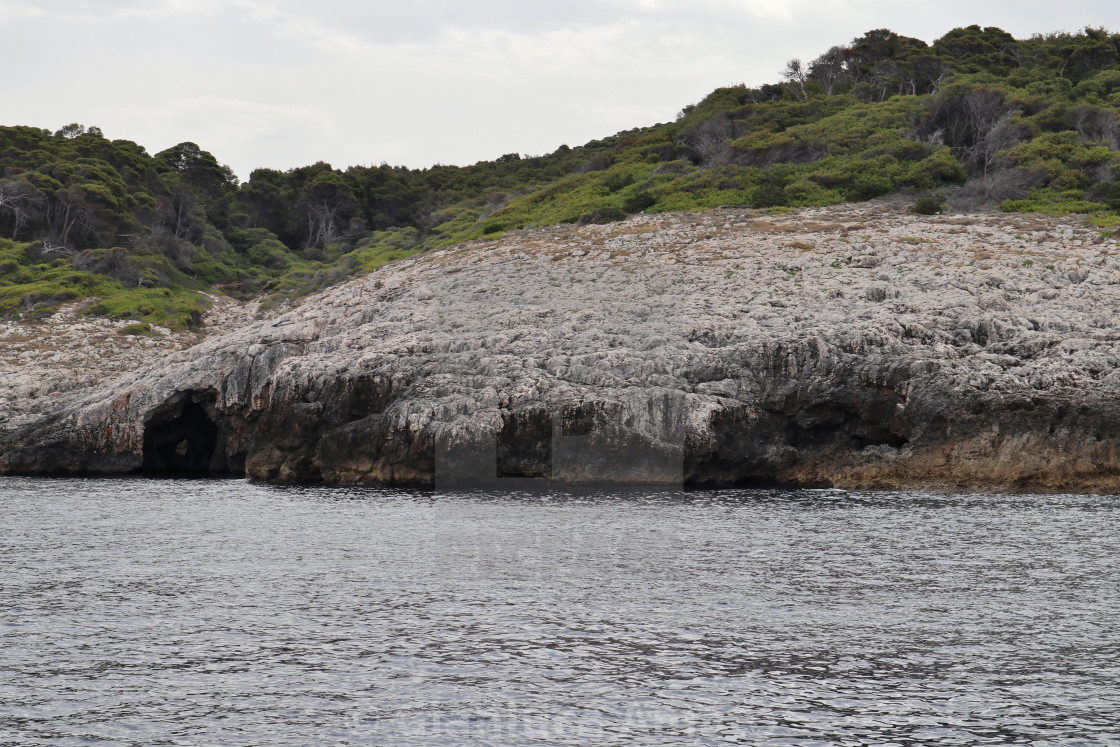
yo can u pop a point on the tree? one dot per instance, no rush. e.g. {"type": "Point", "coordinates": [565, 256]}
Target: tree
{"type": "Point", "coordinates": [925, 73]}
{"type": "Point", "coordinates": [71, 130]}
{"type": "Point", "coordinates": [880, 45]}
{"type": "Point", "coordinates": [828, 70]}
{"type": "Point", "coordinates": [19, 202]}
{"type": "Point", "coordinates": [972, 49]}
{"type": "Point", "coordinates": [266, 202]}
{"type": "Point", "coordinates": [391, 196]}
{"type": "Point", "coordinates": [328, 202]}
{"type": "Point", "coordinates": [212, 183]}
{"type": "Point", "coordinates": [888, 78]}
{"type": "Point", "coordinates": [976, 124]}
{"type": "Point", "coordinates": [178, 212]}
{"type": "Point", "coordinates": [795, 76]}
{"type": "Point", "coordinates": [1087, 55]}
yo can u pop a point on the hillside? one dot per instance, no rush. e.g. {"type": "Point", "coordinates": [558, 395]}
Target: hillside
{"type": "Point", "coordinates": [974, 119]}
{"type": "Point", "coordinates": [852, 345]}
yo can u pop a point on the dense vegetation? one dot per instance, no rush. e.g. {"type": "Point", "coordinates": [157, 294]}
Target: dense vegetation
{"type": "Point", "coordinates": [977, 117]}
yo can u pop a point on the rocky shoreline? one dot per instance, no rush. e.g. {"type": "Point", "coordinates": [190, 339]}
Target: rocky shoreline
{"type": "Point", "coordinates": [850, 346]}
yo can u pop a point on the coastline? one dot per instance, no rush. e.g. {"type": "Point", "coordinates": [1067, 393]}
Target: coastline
{"type": "Point", "coordinates": [854, 346]}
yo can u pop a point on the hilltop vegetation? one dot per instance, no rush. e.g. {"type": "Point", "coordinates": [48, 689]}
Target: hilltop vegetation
{"type": "Point", "coordinates": [975, 118]}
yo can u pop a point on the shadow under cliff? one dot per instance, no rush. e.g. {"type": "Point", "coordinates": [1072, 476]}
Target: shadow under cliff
{"type": "Point", "coordinates": [183, 439]}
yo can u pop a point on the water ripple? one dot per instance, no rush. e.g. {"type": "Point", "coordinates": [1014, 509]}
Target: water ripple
{"type": "Point", "coordinates": [146, 612]}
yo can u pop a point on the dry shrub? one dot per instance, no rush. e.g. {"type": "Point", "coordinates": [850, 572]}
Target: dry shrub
{"type": "Point", "coordinates": [829, 227]}
{"type": "Point", "coordinates": [708, 141]}
{"type": "Point", "coordinates": [995, 187]}
{"type": "Point", "coordinates": [766, 226]}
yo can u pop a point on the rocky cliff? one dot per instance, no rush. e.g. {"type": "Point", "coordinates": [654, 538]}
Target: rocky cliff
{"type": "Point", "coordinates": [848, 346]}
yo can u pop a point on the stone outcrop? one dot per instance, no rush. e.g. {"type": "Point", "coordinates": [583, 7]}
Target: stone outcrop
{"type": "Point", "coordinates": [854, 346]}
{"type": "Point", "coordinates": [43, 360]}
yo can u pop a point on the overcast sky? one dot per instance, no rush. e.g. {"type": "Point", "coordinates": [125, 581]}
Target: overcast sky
{"type": "Point", "coordinates": [285, 83]}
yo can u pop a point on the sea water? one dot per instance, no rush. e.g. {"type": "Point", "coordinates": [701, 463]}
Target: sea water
{"type": "Point", "coordinates": [153, 612]}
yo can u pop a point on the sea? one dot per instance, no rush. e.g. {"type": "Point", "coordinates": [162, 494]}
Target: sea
{"type": "Point", "coordinates": [220, 612]}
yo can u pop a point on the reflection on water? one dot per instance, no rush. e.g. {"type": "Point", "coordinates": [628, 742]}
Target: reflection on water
{"type": "Point", "coordinates": [198, 612]}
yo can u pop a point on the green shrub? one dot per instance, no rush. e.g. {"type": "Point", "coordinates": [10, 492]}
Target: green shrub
{"type": "Point", "coordinates": [1104, 220]}
{"type": "Point", "coordinates": [928, 205]}
{"type": "Point", "coordinates": [1056, 207]}
{"type": "Point", "coordinates": [603, 215]}
{"type": "Point", "coordinates": [176, 309]}
{"type": "Point", "coordinates": [638, 202]}
{"type": "Point", "coordinates": [770, 193]}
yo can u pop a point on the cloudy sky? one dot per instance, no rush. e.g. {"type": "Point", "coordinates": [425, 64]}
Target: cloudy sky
{"type": "Point", "coordinates": [285, 83]}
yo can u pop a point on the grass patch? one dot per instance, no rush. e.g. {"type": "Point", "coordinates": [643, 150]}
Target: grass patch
{"type": "Point", "coordinates": [174, 309]}
{"type": "Point", "coordinates": [138, 328]}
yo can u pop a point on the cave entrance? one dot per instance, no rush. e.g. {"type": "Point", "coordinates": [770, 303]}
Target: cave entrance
{"type": "Point", "coordinates": [181, 438]}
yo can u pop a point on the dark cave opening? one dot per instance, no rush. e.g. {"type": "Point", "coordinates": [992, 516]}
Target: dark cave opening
{"type": "Point", "coordinates": [181, 440]}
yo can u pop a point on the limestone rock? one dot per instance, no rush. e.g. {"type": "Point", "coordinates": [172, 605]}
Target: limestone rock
{"type": "Point", "coordinates": [853, 346]}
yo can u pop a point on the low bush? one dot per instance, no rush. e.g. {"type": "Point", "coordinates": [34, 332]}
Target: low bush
{"type": "Point", "coordinates": [928, 205]}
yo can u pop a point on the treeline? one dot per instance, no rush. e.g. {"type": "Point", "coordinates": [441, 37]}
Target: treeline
{"type": "Point", "coordinates": [74, 189]}
{"type": "Point", "coordinates": [314, 207]}
{"type": "Point", "coordinates": [976, 117]}
{"type": "Point", "coordinates": [1034, 118]}
{"type": "Point", "coordinates": [881, 63]}
{"type": "Point", "coordinates": [84, 215]}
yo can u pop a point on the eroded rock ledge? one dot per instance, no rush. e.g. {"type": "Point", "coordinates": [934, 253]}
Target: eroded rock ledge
{"type": "Point", "coordinates": [853, 346]}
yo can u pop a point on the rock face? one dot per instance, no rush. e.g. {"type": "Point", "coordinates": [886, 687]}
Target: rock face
{"type": "Point", "coordinates": [854, 347]}
{"type": "Point", "coordinates": [42, 360]}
